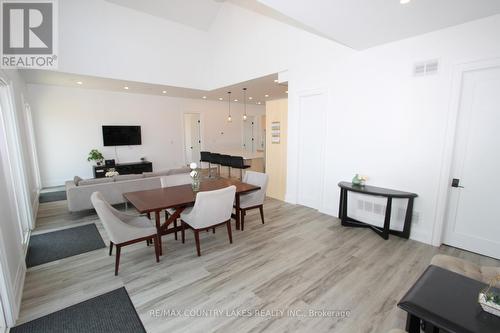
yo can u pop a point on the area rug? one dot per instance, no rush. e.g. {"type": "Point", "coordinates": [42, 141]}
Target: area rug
{"type": "Point", "coordinates": [110, 312]}
{"type": "Point", "coordinates": [61, 244]}
{"type": "Point", "coordinates": [52, 196]}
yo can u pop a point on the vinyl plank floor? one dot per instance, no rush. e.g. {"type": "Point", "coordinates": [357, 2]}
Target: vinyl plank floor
{"type": "Point", "coordinates": [299, 260]}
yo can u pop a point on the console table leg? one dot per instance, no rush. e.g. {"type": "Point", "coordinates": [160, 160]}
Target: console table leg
{"type": "Point", "coordinates": [408, 217]}
{"type": "Point", "coordinates": [412, 324]}
{"type": "Point", "coordinates": [387, 220]}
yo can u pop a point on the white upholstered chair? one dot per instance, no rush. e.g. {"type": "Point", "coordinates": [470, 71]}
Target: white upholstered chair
{"type": "Point", "coordinates": [174, 180]}
{"type": "Point", "coordinates": [255, 199]}
{"type": "Point", "coordinates": [211, 209]}
{"type": "Point", "coordinates": [122, 228]}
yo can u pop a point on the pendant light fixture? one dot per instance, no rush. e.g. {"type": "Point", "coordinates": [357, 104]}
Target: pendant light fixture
{"type": "Point", "coordinates": [244, 104]}
{"type": "Point", "coordinates": [229, 119]}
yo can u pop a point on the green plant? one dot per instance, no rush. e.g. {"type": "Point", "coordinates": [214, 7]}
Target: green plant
{"type": "Point", "coordinates": [95, 155]}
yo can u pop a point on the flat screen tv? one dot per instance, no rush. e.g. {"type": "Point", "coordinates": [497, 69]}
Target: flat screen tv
{"type": "Point", "coordinates": [121, 135]}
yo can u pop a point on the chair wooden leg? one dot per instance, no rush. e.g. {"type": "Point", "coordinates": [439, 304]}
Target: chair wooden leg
{"type": "Point", "coordinates": [242, 220]}
{"type": "Point", "coordinates": [110, 248]}
{"type": "Point", "coordinates": [117, 261]}
{"type": "Point", "coordinates": [175, 226]}
{"type": "Point", "coordinates": [149, 216]}
{"type": "Point", "coordinates": [229, 233]}
{"type": "Point", "coordinates": [261, 208]}
{"type": "Point", "coordinates": [147, 242]}
{"type": "Point", "coordinates": [157, 248]}
{"type": "Point", "coordinates": [197, 239]}
{"type": "Point", "coordinates": [213, 230]}
{"type": "Point", "coordinates": [183, 227]}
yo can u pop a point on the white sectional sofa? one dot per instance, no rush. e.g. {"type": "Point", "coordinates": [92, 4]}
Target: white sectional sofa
{"type": "Point", "coordinates": [78, 191]}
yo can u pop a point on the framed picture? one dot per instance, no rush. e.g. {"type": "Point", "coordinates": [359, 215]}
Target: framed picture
{"type": "Point", "coordinates": [275, 132]}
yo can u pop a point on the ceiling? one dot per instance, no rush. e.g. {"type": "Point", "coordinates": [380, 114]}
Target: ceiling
{"type": "Point", "coordinates": [257, 89]}
{"type": "Point", "coordinates": [197, 14]}
{"type": "Point", "coordinates": [361, 24]}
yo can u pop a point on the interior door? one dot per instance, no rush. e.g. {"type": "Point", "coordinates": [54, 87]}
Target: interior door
{"type": "Point", "coordinates": [248, 134]}
{"type": "Point", "coordinates": [473, 220]}
{"type": "Point", "coordinates": [192, 137]}
{"type": "Point", "coordinates": [312, 120]}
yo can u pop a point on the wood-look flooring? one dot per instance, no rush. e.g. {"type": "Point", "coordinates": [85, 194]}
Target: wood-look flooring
{"type": "Point", "coordinates": [299, 260]}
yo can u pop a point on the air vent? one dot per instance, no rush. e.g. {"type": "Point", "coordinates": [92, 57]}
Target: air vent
{"type": "Point", "coordinates": [426, 68]}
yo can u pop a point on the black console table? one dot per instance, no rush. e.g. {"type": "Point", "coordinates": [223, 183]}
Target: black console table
{"type": "Point", "coordinates": [383, 232]}
{"type": "Point", "coordinates": [445, 301]}
{"type": "Point", "coordinates": [124, 168]}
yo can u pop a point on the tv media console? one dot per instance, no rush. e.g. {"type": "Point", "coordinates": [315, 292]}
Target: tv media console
{"type": "Point", "coordinates": [123, 168]}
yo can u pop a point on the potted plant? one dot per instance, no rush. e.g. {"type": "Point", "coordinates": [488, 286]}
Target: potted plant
{"type": "Point", "coordinates": [490, 298]}
{"type": "Point", "coordinates": [95, 155]}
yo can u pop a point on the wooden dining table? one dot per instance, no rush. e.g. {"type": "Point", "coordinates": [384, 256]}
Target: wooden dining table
{"type": "Point", "coordinates": [179, 198]}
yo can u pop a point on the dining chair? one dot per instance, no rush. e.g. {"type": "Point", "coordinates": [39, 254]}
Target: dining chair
{"type": "Point", "coordinates": [253, 200]}
{"type": "Point", "coordinates": [124, 229]}
{"type": "Point", "coordinates": [174, 180]}
{"type": "Point", "coordinates": [237, 162]}
{"type": "Point", "coordinates": [211, 209]}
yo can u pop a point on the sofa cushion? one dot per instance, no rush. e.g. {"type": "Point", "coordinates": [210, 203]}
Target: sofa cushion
{"type": "Point", "coordinates": [77, 180]}
{"type": "Point", "coordinates": [120, 178]}
{"type": "Point", "coordinates": [95, 181]}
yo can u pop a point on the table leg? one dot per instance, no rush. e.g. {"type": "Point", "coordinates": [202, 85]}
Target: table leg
{"type": "Point", "coordinates": [412, 324]}
{"type": "Point", "coordinates": [343, 212]}
{"type": "Point", "coordinates": [408, 217]}
{"type": "Point", "coordinates": [158, 230]}
{"type": "Point", "coordinates": [387, 220]}
{"type": "Point", "coordinates": [238, 212]}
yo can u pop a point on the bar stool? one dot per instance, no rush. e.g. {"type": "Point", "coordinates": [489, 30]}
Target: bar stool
{"type": "Point", "coordinates": [205, 157]}
{"type": "Point", "coordinates": [238, 162]}
{"type": "Point", "coordinates": [225, 160]}
{"type": "Point", "coordinates": [215, 159]}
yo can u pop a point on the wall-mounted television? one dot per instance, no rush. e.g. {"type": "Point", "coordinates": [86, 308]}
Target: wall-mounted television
{"type": "Point", "coordinates": [121, 135]}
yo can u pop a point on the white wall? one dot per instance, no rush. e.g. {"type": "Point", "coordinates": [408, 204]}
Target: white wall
{"type": "Point", "coordinates": [68, 125]}
{"type": "Point", "coordinates": [100, 38]}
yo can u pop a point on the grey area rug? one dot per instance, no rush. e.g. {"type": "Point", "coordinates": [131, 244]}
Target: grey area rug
{"type": "Point", "coordinates": [111, 312]}
{"type": "Point", "coordinates": [52, 196]}
{"type": "Point", "coordinates": [62, 244]}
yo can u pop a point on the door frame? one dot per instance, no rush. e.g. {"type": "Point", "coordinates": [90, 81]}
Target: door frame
{"type": "Point", "coordinates": [324, 138]}
{"type": "Point", "coordinates": [184, 134]}
{"type": "Point", "coordinates": [443, 198]}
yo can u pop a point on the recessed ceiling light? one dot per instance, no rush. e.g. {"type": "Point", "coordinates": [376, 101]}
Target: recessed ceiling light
{"type": "Point", "coordinates": [404, 2]}
{"type": "Point", "coordinates": [220, 98]}
{"type": "Point", "coordinates": [164, 92]}
{"type": "Point", "coordinates": [266, 95]}
{"type": "Point", "coordinates": [204, 97]}
{"type": "Point", "coordinates": [250, 98]}
{"type": "Point", "coordinates": [286, 92]}
{"type": "Point", "coordinates": [258, 103]}
{"type": "Point", "coordinates": [79, 82]}
{"type": "Point", "coordinates": [276, 81]}
{"type": "Point", "coordinates": [236, 100]}
{"type": "Point", "coordinates": [126, 88]}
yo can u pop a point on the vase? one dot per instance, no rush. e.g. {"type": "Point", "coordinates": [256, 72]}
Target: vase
{"type": "Point", "coordinates": [195, 184]}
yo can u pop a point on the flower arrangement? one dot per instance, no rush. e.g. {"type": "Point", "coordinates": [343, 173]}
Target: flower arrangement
{"type": "Point", "coordinates": [359, 180]}
{"type": "Point", "coordinates": [490, 298]}
{"type": "Point", "coordinates": [111, 173]}
{"type": "Point", "coordinates": [195, 176]}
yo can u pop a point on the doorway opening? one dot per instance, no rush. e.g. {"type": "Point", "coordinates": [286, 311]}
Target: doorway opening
{"type": "Point", "coordinates": [248, 134]}
{"type": "Point", "coordinates": [192, 137]}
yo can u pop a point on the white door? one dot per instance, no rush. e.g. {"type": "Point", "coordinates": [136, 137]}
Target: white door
{"type": "Point", "coordinates": [192, 137]}
{"type": "Point", "coordinates": [248, 134]}
{"type": "Point", "coordinates": [473, 220]}
{"type": "Point", "coordinates": [311, 142]}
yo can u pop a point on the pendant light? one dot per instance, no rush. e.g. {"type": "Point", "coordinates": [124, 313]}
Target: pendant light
{"type": "Point", "coordinates": [229, 119]}
{"type": "Point", "coordinates": [244, 104]}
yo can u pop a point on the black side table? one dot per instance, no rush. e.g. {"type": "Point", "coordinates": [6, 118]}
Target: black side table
{"type": "Point", "coordinates": [383, 232]}
{"type": "Point", "coordinates": [447, 302]}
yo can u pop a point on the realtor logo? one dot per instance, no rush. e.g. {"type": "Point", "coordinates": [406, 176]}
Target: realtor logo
{"type": "Point", "coordinates": [29, 33]}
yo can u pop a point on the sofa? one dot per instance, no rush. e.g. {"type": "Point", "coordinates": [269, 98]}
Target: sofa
{"type": "Point", "coordinates": [78, 190]}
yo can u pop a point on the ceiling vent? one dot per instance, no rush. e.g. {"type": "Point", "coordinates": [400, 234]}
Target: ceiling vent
{"type": "Point", "coordinates": [429, 67]}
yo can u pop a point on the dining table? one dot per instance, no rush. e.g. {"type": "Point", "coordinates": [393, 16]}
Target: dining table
{"type": "Point", "coordinates": [179, 198]}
